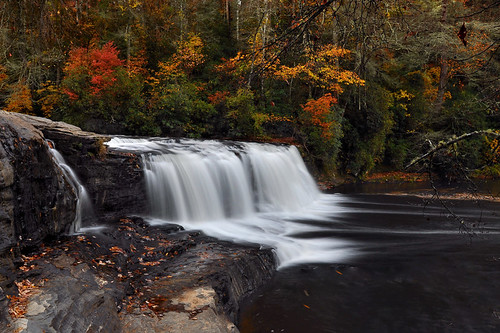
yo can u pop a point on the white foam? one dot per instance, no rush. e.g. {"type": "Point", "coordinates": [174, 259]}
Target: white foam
{"type": "Point", "coordinates": [84, 210]}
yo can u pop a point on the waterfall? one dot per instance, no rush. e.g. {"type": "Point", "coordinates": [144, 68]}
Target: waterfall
{"type": "Point", "coordinates": [84, 211]}
{"type": "Point", "coordinates": [244, 192]}
{"type": "Point", "coordinates": [220, 183]}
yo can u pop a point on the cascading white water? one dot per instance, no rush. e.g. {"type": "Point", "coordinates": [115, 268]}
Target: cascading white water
{"type": "Point", "coordinates": [84, 210]}
{"type": "Point", "coordinates": [282, 181]}
{"type": "Point", "coordinates": [217, 184]}
{"type": "Point", "coordinates": [245, 192]}
{"type": "Point", "coordinates": [199, 188]}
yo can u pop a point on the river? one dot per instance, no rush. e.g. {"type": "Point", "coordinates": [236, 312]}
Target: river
{"type": "Point", "coordinates": [409, 269]}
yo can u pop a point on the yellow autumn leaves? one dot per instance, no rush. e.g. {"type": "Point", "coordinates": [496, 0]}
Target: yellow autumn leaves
{"type": "Point", "coordinates": [321, 68]}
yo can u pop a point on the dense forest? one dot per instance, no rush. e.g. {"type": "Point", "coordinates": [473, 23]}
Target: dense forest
{"type": "Point", "coordinates": [359, 85]}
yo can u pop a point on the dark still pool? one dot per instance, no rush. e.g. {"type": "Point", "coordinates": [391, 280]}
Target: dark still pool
{"type": "Point", "coordinates": [409, 268]}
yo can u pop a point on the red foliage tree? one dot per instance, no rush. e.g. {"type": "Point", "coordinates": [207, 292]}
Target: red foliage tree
{"type": "Point", "coordinates": [98, 65]}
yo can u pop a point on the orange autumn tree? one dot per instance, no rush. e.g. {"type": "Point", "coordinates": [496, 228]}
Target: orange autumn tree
{"type": "Point", "coordinates": [49, 98]}
{"type": "Point", "coordinates": [20, 99]}
{"type": "Point", "coordinates": [317, 113]}
{"type": "Point", "coordinates": [321, 72]}
{"type": "Point", "coordinates": [320, 131]}
{"type": "Point", "coordinates": [321, 69]}
{"type": "Point", "coordinates": [188, 56]}
{"type": "Point", "coordinates": [97, 68]}
{"type": "Point", "coordinates": [178, 100]}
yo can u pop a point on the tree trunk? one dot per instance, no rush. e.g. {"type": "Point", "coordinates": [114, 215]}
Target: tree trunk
{"type": "Point", "coordinates": [444, 70]}
{"type": "Point", "coordinates": [443, 82]}
{"type": "Point", "coordinates": [127, 33]}
{"type": "Point", "coordinates": [238, 6]}
{"type": "Point", "coordinates": [227, 10]}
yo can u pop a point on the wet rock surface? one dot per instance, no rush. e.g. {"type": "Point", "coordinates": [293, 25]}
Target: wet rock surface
{"type": "Point", "coordinates": [35, 199]}
{"type": "Point", "coordinates": [114, 180]}
{"type": "Point", "coordinates": [132, 277]}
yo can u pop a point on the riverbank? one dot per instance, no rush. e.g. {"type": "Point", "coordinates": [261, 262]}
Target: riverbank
{"type": "Point", "coordinates": [417, 184]}
{"type": "Point", "coordinates": [131, 277]}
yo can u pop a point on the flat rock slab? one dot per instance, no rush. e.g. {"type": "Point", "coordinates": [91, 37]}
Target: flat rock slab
{"type": "Point", "coordinates": [196, 312]}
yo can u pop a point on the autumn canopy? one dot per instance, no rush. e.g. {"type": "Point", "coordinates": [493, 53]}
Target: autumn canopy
{"type": "Point", "coordinates": [357, 84]}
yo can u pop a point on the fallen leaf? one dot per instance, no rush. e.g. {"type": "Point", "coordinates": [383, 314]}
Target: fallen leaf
{"type": "Point", "coordinates": [150, 263]}
{"type": "Point", "coordinates": [116, 249]}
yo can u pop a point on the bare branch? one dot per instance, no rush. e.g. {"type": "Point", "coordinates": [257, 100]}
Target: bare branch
{"type": "Point", "coordinates": [463, 225]}
{"type": "Point", "coordinates": [292, 35]}
{"type": "Point", "coordinates": [496, 3]}
{"type": "Point", "coordinates": [481, 52]}
{"type": "Point", "coordinates": [450, 142]}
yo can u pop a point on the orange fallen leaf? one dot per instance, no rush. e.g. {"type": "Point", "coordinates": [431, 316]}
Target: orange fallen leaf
{"type": "Point", "coordinates": [18, 304]}
{"type": "Point", "coordinates": [116, 249]}
{"type": "Point", "coordinates": [306, 306]}
{"type": "Point", "coordinates": [150, 263]}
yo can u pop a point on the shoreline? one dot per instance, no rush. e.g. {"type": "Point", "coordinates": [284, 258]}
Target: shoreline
{"type": "Point", "coordinates": [463, 196]}
{"type": "Point", "coordinates": [415, 184]}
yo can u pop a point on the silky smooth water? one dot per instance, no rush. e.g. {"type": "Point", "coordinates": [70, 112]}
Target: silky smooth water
{"type": "Point", "coordinates": [348, 262]}
{"type": "Point", "coordinates": [84, 213]}
{"type": "Point", "coordinates": [243, 192]}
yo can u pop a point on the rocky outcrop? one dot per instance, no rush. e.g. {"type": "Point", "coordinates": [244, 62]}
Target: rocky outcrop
{"type": "Point", "coordinates": [136, 278]}
{"type": "Point", "coordinates": [114, 180]}
{"type": "Point", "coordinates": [240, 279]}
{"type": "Point", "coordinates": [35, 199]}
{"type": "Point", "coordinates": [3, 312]}
{"type": "Point", "coordinates": [69, 298]}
